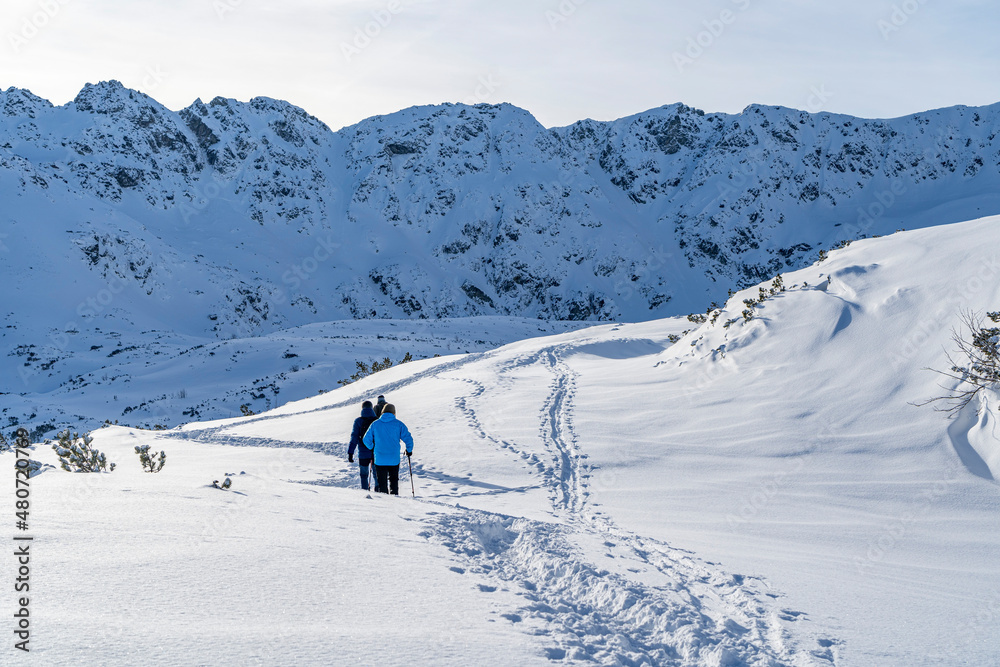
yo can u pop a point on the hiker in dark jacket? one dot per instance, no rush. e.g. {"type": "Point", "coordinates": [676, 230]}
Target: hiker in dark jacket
{"type": "Point", "coordinates": [379, 406]}
{"type": "Point", "coordinates": [384, 437]}
{"type": "Point", "coordinates": [365, 455]}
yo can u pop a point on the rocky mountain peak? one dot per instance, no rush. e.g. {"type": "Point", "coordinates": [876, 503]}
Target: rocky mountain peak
{"type": "Point", "coordinates": [460, 210]}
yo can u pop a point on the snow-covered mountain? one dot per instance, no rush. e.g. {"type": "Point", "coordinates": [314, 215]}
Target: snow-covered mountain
{"type": "Point", "coordinates": [754, 492]}
{"type": "Point", "coordinates": [132, 230]}
{"type": "Point", "coordinates": [256, 216]}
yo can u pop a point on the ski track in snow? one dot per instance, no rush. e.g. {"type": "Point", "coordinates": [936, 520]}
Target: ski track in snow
{"type": "Point", "coordinates": [687, 612]}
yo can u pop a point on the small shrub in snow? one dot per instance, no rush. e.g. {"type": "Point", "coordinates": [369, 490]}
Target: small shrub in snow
{"type": "Point", "coordinates": [38, 433]}
{"type": "Point", "coordinates": [246, 411]}
{"type": "Point", "coordinates": [712, 312]}
{"type": "Point", "coordinates": [150, 462]}
{"type": "Point", "coordinates": [364, 370]}
{"type": "Point", "coordinates": [978, 366]}
{"type": "Point", "coordinates": [76, 455]}
{"type": "Point", "coordinates": [697, 318]}
{"type": "Point", "coordinates": [4, 445]}
{"type": "Point", "coordinates": [763, 293]}
{"type": "Point", "coordinates": [822, 256]}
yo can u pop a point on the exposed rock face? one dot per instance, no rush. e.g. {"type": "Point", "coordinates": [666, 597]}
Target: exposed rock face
{"type": "Point", "coordinates": [272, 219]}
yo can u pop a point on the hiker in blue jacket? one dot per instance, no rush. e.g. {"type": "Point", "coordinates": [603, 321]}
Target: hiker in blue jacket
{"type": "Point", "coordinates": [361, 425]}
{"type": "Point", "coordinates": [383, 437]}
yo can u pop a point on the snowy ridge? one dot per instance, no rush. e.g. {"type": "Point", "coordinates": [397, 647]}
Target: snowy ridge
{"type": "Point", "coordinates": [455, 211]}
{"type": "Point", "coordinates": [159, 378]}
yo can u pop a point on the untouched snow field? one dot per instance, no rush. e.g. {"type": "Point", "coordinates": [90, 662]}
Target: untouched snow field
{"type": "Point", "coordinates": [758, 494]}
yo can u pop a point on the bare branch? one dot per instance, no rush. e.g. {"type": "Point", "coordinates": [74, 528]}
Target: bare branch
{"type": "Point", "coordinates": [979, 367]}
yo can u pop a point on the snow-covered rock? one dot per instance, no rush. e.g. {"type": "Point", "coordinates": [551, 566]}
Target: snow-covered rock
{"type": "Point", "coordinates": [454, 210]}
{"type": "Point", "coordinates": [132, 229]}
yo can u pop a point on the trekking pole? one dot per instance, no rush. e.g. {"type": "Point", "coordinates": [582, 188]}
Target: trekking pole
{"type": "Point", "coordinates": [412, 489]}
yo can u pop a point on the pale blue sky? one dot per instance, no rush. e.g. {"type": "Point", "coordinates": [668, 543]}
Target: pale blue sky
{"type": "Point", "coordinates": [562, 60]}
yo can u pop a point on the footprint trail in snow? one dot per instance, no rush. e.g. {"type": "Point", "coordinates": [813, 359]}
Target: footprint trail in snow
{"type": "Point", "coordinates": [648, 603]}
{"type": "Point", "coordinates": [592, 591]}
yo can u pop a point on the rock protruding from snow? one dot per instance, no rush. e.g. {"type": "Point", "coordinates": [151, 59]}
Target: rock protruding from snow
{"type": "Point", "coordinates": [456, 210]}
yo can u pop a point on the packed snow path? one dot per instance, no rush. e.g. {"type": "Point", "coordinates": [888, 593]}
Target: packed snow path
{"type": "Point", "coordinates": [683, 612]}
{"type": "Point", "coordinates": [590, 591]}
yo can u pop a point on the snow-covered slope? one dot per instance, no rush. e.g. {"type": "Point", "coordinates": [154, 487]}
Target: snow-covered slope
{"type": "Point", "coordinates": [760, 493]}
{"type": "Point", "coordinates": [259, 217]}
{"type": "Point", "coordinates": [155, 378]}
{"type": "Point", "coordinates": [127, 226]}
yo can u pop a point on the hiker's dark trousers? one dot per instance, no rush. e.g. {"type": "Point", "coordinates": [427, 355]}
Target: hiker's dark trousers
{"type": "Point", "coordinates": [388, 479]}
